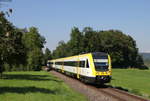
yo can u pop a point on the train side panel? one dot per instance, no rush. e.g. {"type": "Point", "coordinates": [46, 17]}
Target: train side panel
{"type": "Point", "coordinates": [84, 68]}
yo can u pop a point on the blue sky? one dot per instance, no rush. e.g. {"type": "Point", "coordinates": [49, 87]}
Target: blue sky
{"type": "Point", "coordinates": [55, 18]}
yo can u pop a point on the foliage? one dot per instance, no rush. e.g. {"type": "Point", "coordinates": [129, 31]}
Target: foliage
{"type": "Point", "coordinates": [33, 43]}
{"type": "Point", "coordinates": [19, 47]}
{"type": "Point", "coordinates": [47, 56]}
{"type": "Point", "coordinates": [75, 43]}
{"type": "Point", "coordinates": [11, 46]}
{"type": "Point", "coordinates": [121, 47]}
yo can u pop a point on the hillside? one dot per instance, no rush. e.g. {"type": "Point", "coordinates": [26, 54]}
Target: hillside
{"type": "Point", "coordinates": [145, 56]}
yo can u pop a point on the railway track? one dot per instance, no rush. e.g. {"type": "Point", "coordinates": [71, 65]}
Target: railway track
{"type": "Point", "coordinates": [123, 94]}
{"type": "Point", "coordinates": [95, 93]}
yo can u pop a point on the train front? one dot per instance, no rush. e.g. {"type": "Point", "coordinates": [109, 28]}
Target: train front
{"type": "Point", "coordinates": [102, 64]}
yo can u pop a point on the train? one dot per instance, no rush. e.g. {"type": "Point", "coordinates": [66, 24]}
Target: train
{"type": "Point", "coordinates": [92, 67]}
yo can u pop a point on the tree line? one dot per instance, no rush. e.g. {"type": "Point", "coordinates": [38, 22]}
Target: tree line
{"type": "Point", "coordinates": [21, 49]}
{"type": "Point", "coordinates": [121, 47]}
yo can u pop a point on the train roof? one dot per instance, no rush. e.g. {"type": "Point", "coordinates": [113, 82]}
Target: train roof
{"type": "Point", "coordinates": [94, 54]}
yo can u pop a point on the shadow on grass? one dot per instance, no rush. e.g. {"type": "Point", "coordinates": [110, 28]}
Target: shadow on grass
{"type": "Point", "coordinates": [24, 90]}
{"type": "Point", "coordinates": [30, 77]}
{"type": "Point", "coordinates": [121, 88]}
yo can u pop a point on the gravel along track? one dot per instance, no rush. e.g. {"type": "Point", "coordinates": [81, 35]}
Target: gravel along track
{"type": "Point", "coordinates": [97, 93]}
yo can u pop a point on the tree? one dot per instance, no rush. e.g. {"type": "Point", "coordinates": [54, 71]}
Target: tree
{"type": "Point", "coordinates": [11, 46]}
{"type": "Point", "coordinates": [62, 50]}
{"type": "Point", "coordinates": [47, 56]}
{"type": "Point", "coordinates": [34, 43]}
{"type": "Point", "coordinates": [19, 46]}
{"type": "Point", "coordinates": [91, 41]}
{"type": "Point", "coordinates": [75, 43]}
{"type": "Point", "coordinates": [121, 47]}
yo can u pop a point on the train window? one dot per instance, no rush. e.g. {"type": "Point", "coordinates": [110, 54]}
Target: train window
{"type": "Point", "coordinates": [71, 63]}
{"type": "Point", "coordinates": [50, 62]}
{"type": "Point", "coordinates": [74, 63]}
{"type": "Point", "coordinates": [87, 64]}
{"type": "Point", "coordinates": [82, 64]}
{"type": "Point", "coordinates": [65, 63]}
{"type": "Point", "coordinates": [59, 63]}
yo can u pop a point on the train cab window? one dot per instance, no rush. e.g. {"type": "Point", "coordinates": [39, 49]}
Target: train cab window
{"type": "Point", "coordinates": [101, 66]}
{"type": "Point", "coordinates": [87, 64]}
{"type": "Point", "coordinates": [100, 55]}
{"type": "Point", "coordinates": [48, 64]}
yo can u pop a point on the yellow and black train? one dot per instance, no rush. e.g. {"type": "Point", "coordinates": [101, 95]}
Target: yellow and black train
{"type": "Point", "coordinates": [90, 67]}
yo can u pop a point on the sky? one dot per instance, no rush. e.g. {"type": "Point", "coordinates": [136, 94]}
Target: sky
{"type": "Point", "coordinates": [55, 18]}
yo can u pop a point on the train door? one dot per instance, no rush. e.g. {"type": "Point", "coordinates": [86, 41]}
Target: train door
{"type": "Point", "coordinates": [78, 69]}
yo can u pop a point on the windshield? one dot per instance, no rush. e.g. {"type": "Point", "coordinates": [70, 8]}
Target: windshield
{"type": "Point", "coordinates": [101, 66]}
{"type": "Point", "coordinates": [100, 61]}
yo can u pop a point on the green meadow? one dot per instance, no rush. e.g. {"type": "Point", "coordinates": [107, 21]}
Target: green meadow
{"type": "Point", "coordinates": [42, 86]}
{"type": "Point", "coordinates": [133, 80]}
{"type": "Point", "coordinates": [35, 86]}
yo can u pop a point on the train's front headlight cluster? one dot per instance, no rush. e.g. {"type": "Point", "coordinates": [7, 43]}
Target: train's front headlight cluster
{"type": "Point", "coordinates": [102, 73]}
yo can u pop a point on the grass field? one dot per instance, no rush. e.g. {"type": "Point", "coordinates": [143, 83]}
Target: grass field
{"type": "Point", "coordinates": [133, 80]}
{"type": "Point", "coordinates": [35, 86]}
{"type": "Point", "coordinates": [42, 86]}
